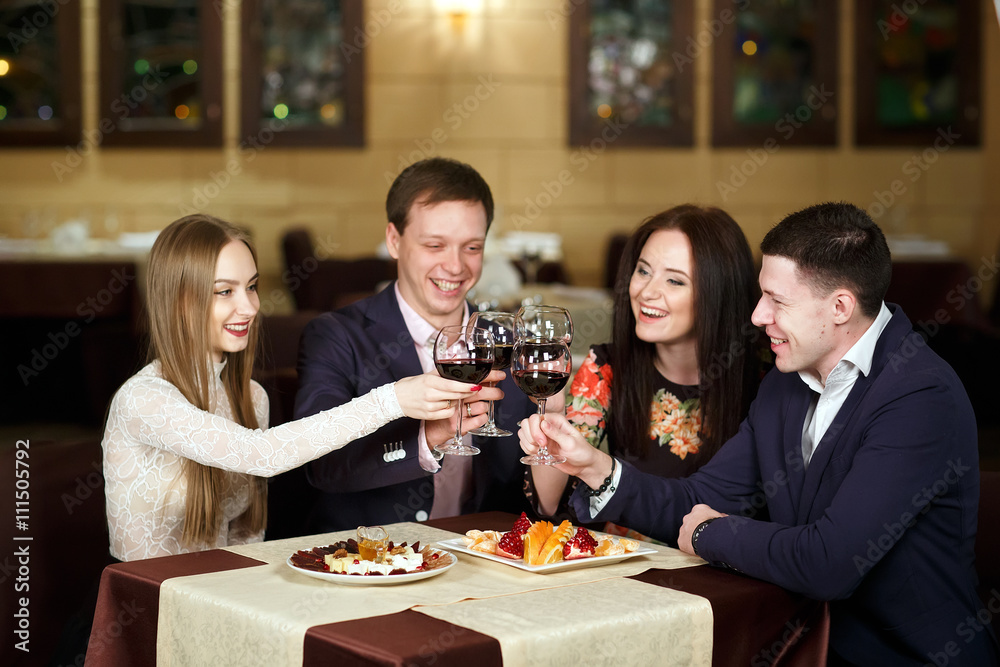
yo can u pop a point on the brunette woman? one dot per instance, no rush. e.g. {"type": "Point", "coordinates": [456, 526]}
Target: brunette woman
{"type": "Point", "coordinates": [678, 377]}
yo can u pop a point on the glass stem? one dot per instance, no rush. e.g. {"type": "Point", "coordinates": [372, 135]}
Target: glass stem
{"type": "Point", "coordinates": [458, 427]}
{"type": "Point", "coordinates": [543, 451]}
{"type": "Point", "coordinates": [490, 423]}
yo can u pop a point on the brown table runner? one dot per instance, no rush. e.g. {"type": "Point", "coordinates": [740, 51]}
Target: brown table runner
{"type": "Point", "coordinates": [124, 630]}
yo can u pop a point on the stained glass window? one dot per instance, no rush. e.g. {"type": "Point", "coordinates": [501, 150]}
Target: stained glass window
{"type": "Point", "coordinates": [631, 68]}
{"type": "Point", "coordinates": [303, 65]}
{"type": "Point", "coordinates": [161, 72]}
{"type": "Point", "coordinates": [921, 70]}
{"type": "Point", "coordinates": [775, 72]}
{"type": "Point", "coordinates": [39, 73]}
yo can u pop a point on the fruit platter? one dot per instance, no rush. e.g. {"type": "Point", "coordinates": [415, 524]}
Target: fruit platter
{"type": "Point", "coordinates": [543, 547]}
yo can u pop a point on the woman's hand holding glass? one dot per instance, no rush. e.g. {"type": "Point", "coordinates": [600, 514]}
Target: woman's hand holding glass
{"type": "Point", "coordinates": [541, 368]}
{"type": "Point", "coordinates": [563, 441]}
{"type": "Point", "coordinates": [464, 354]}
{"type": "Point", "coordinates": [430, 397]}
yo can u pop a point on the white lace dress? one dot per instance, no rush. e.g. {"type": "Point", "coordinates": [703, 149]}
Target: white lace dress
{"type": "Point", "coordinates": [152, 428]}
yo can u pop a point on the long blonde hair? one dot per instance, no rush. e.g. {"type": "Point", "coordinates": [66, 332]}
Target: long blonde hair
{"type": "Point", "coordinates": [180, 282]}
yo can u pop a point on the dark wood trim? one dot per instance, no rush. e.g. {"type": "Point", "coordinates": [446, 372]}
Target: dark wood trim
{"type": "Point", "coordinates": [255, 130]}
{"type": "Point", "coordinates": [209, 134]}
{"type": "Point", "coordinates": [821, 127]}
{"type": "Point", "coordinates": [868, 132]}
{"type": "Point", "coordinates": [68, 131]}
{"type": "Point", "coordinates": [584, 129]}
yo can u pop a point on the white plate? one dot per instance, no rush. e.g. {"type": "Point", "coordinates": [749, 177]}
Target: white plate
{"type": "Point", "coordinates": [375, 580]}
{"type": "Point", "coordinates": [458, 544]}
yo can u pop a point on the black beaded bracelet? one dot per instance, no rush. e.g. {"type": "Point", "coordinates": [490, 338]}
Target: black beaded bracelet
{"type": "Point", "coordinates": [607, 480]}
{"type": "Point", "coordinates": [696, 533]}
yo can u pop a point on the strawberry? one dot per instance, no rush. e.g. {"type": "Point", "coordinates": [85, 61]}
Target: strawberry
{"type": "Point", "coordinates": [581, 545]}
{"type": "Point", "coordinates": [522, 524]}
{"type": "Point", "coordinates": [511, 545]}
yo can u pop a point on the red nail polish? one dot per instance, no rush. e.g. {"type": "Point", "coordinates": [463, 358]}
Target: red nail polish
{"type": "Point", "coordinates": [477, 387]}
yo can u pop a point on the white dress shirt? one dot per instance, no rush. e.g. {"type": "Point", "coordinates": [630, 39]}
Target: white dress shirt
{"type": "Point", "coordinates": [830, 397]}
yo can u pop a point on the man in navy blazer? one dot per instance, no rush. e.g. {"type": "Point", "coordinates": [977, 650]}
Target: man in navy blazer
{"type": "Point", "coordinates": [854, 478]}
{"type": "Point", "coordinates": [439, 211]}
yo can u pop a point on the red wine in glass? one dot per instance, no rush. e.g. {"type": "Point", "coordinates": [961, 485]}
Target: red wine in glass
{"type": "Point", "coordinates": [464, 354]}
{"type": "Point", "coordinates": [540, 384]}
{"type": "Point", "coordinates": [501, 325]}
{"type": "Point", "coordinates": [472, 371]}
{"type": "Point", "coordinates": [541, 368]}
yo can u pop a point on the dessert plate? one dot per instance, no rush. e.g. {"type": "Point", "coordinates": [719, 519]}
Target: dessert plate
{"type": "Point", "coordinates": [377, 579]}
{"type": "Point", "coordinates": [458, 544]}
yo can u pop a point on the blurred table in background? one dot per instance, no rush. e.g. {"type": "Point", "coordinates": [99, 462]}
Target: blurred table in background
{"type": "Point", "coordinates": [590, 308]}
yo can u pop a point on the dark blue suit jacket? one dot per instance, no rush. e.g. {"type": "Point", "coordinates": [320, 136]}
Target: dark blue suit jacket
{"type": "Point", "coordinates": [347, 353]}
{"type": "Point", "coordinates": [882, 522]}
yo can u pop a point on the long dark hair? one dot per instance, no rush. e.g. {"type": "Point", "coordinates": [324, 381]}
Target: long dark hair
{"type": "Point", "coordinates": [724, 297]}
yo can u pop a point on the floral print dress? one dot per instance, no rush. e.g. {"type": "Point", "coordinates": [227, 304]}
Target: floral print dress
{"type": "Point", "coordinates": [674, 425]}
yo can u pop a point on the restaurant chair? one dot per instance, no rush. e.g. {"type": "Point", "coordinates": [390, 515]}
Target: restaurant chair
{"type": "Point", "coordinates": [322, 284]}
{"type": "Point", "coordinates": [613, 257]}
{"type": "Point", "coordinates": [69, 545]}
{"type": "Point", "coordinates": [289, 494]}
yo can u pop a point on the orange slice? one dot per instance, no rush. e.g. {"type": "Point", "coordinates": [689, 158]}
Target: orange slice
{"type": "Point", "coordinates": [552, 550]}
{"type": "Point", "coordinates": [535, 539]}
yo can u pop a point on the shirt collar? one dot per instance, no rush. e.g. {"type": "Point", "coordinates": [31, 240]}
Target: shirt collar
{"type": "Point", "coordinates": [421, 331]}
{"type": "Point", "coordinates": [859, 358]}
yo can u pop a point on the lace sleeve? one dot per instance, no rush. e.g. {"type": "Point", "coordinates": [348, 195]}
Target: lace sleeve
{"type": "Point", "coordinates": [151, 411]}
{"type": "Point", "coordinates": [261, 405]}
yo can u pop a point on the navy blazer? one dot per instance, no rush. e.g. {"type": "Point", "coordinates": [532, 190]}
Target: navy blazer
{"type": "Point", "coordinates": [882, 523]}
{"type": "Point", "coordinates": [378, 479]}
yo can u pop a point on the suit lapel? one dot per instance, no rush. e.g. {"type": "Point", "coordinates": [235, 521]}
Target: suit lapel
{"type": "Point", "coordinates": [384, 323]}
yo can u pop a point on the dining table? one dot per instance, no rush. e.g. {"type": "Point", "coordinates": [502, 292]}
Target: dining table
{"type": "Point", "coordinates": [247, 605]}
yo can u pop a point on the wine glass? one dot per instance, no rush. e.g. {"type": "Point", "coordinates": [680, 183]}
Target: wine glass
{"type": "Point", "coordinates": [501, 325]}
{"type": "Point", "coordinates": [541, 368]}
{"type": "Point", "coordinates": [464, 354]}
{"type": "Point", "coordinates": [543, 321]}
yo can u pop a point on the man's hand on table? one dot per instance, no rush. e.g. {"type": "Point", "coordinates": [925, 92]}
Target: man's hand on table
{"type": "Point", "coordinates": [694, 518]}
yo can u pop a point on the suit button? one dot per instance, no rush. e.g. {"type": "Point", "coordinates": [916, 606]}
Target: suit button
{"type": "Point", "coordinates": [420, 516]}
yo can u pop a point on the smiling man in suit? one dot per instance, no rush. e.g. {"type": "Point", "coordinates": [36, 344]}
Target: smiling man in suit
{"type": "Point", "coordinates": [439, 212]}
{"type": "Point", "coordinates": [853, 479]}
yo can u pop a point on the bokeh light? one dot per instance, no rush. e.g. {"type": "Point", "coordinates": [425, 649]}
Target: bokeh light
{"type": "Point", "coordinates": [750, 47]}
{"type": "Point", "coordinates": [4, 67]}
{"type": "Point", "coordinates": [45, 112]}
{"type": "Point", "coordinates": [182, 111]}
{"type": "Point", "coordinates": [3, 112]}
{"type": "Point", "coordinates": [281, 111]}
{"type": "Point", "coordinates": [141, 66]}
{"type": "Point", "coordinates": [190, 67]}
{"type": "Point", "coordinates": [604, 110]}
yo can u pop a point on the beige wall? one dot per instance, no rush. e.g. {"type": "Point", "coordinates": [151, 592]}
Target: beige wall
{"type": "Point", "coordinates": [418, 69]}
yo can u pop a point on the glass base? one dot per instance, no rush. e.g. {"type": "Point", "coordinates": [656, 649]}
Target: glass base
{"type": "Point", "coordinates": [540, 459]}
{"type": "Point", "coordinates": [458, 448]}
{"type": "Point", "coordinates": [490, 431]}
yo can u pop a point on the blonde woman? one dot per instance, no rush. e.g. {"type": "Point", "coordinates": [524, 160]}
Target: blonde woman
{"type": "Point", "coordinates": [186, 452]}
